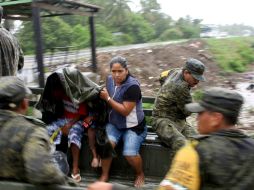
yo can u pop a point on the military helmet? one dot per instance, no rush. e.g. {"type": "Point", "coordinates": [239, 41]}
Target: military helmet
{"type": "Point", "coordinates": [196, 68]}
{"type": "Point", "coordinates": [12, 91]}
{"type": "Point", "coordinates": [218, 99]}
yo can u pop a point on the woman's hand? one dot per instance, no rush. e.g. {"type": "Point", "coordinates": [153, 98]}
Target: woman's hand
{"type": "Point", "coordinates": [124, 109]}
{"type": "Point", "coordinates": [104, 94]}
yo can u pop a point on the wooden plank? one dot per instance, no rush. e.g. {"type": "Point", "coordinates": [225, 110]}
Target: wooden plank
{"type": "Point", "coordinates": [8, 3]}
{"type": "Point", "coordinates": [36, 91]}
{"type": "Point", "coordinates": [148, 112]}
{"type": "Point", "coordinates": [61, 9]}
{"type": "Point", "coordinates": [148, 99]}
{"type": "Point", "coordinates": [11, 185]}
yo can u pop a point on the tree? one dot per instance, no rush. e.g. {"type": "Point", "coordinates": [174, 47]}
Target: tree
{"type": "Point", "coordinates": [114, 12]}
{"type": "Point", "coordinates": [55, 33]}
{"type": "Point", "coordinates": [190, 28]}
{"type": "Point", "coordinates": [151, 12]}
{"type": "Point", "coordinates": [26, 39]}
{"type": "Point", "coordinates": [138, 28]}
{"type": "Point", "coordinates": [149, 6]}
{"type": "Point", "coordinates": [81, 36]}
{"type": "Point", "coordinates": [103, 36]}
{"type": "Point", "coordinates": [171, 34]}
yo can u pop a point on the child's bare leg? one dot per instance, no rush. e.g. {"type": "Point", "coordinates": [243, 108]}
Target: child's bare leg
{"type": "Point", "coordinates": [91, 139]}
{"type": "Point", "coordinates": [75, 156]}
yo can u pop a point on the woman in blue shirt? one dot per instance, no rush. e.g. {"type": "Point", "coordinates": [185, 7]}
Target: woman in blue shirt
{"type": "Point", "coordinates": [126, 117]}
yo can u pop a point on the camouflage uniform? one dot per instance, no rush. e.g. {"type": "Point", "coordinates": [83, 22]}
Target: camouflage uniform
{"type": "Point", "coordinates": [169, 114]}
{"type": "Point", "coordinates": [25, 150]}
{"type": "Point", "coordinates": [11, 54]}
{"type": "Point", "coordinates": [221, 160]}
{"type": "Point", "coordinates": [226, 156]}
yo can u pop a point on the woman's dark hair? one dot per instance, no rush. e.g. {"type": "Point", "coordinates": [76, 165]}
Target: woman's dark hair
{"type": "Point", "coordinates": [122, 61]}
{"type": "Point", "coordinates": [118, 59]}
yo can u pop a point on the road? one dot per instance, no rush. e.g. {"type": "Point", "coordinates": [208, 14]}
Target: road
{"type": "Point", "coordinates": [29, 72]}
{"type": "Point", "coordinates": [60, 56]}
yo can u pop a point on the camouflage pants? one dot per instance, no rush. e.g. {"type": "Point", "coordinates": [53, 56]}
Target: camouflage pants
{"type": "Point", "coordinates": [173, 133]}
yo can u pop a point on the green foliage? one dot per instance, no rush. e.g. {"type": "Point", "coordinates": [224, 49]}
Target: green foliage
{"type": "Point", "coordinates": [161, 24]}
{"type": "Point", "coordinates": [232, 54]}
{"type": "Point", "coordinates": [190, 28]}
{"type": "Point", "coordinates": [25, 36]}
{"type": "Point", "coordinates": [171, 34]}
{"type": "Point", "coordinates": [114, 12]}
{"type": "Point", "coordinates": [138, 28]}
{"type": "Point", "coordinates": [80, 36]}
{"type": "Point", "coordinates": [56, 33]}
{"type": "Point", "coordinates": [116, 17]}
{"type": "Point", "coordinates": [148, 120]}
{"type": "Point", "coordinates": [197, 95]}
{"type": "Point", "coordinates": [30, 111]}
{"type": "Point", "coordinates": [123, 39]}
{"type": "Point", "coordinates": [150, 5]}
{"type": "Point", "coordinates": [104, 37]}
{"type": "Point", "coordinates": [236, 65]}
{"type": "Point", "coordinates": [147, 105]}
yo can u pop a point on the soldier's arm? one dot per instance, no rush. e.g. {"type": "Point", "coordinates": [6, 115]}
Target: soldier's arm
{"type": "Point", "coordinates": [38, 160]}
{"type": "Point", "coordinates": [182, 95]}
{"type": "Point", "coordinates": [184, 172]}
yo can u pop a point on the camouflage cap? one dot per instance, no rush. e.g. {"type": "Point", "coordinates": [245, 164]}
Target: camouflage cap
{"type": "Point", "coordinates": [219, 100]}
{"type": "Point", "coordinates": [196, 68]}
{"type": "Point", "coordinates": [12, 91]}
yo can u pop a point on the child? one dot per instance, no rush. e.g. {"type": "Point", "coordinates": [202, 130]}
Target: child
{"type": "Point", "coordinates": [75, 118]}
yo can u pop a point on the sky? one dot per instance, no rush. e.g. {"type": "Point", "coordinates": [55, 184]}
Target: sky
{"type": "Point", "coordinates": [211, 11]}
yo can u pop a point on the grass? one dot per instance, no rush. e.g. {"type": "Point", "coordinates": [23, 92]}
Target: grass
{"type": "Point", "coordinates": [232, 54]}
{"type": "Point", "coordinates": [147, 106]}
{"type": "Point", "coordinates": [197, 95]}
{"type": "Point", "coordinates": [30, 111]}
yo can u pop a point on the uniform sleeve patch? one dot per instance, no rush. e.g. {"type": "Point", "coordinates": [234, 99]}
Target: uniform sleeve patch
{"type": "Point", "coordinates": [184, 170]}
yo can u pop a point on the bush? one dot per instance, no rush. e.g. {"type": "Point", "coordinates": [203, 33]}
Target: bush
{"type": "Point", "coordinates": [247, 54]}
{"type": "Point", "coordinates": [148, 120]}
{"type": "Point", "coordinates": [171, 34]}
{"type": "Point", "coordinates": [236, 65]}
{"type": "Point", "coordinates": [197, 95]}
{"type": "Point", "coordinates": [103, 36]}
{"type": "Point", "coordinates": [123, 39]}
{"type": "Point", "coordinates": [232, 54]}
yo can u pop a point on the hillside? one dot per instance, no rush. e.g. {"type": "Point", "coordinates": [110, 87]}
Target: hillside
{"type": "Point", "coordinates": [147, 63]}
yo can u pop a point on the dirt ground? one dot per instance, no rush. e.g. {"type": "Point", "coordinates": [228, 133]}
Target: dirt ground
{"type": "Point", "coordinates": [146, 64]}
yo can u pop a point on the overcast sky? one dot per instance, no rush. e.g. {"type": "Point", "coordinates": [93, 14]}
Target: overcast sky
{"type": "Point", "coordinates": [211, 11]}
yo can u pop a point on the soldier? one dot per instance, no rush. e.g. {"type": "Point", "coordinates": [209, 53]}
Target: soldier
{"type": "Point", "coordinates": [169, 116]}
{"type": "Point", "coordinates": [222, 158]}
{"type": "Point", "coordinates": [25, 150]}
{"type": "Point", "coordinates": [11, 55]}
